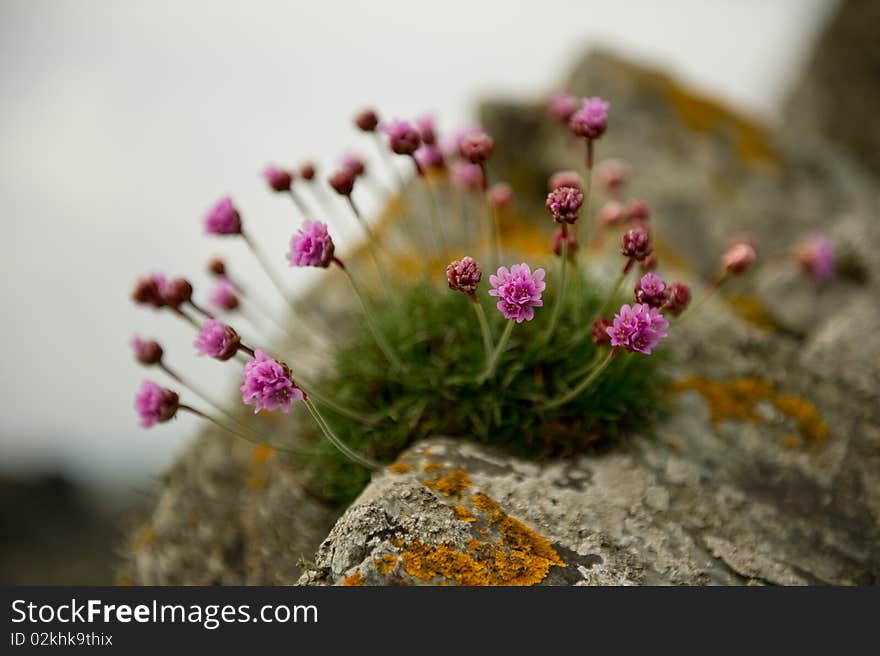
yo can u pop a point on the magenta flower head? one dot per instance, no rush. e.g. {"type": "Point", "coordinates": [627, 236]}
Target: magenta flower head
{"type": "Point", "coordinates": [354, 163]}
{"type": "Point", "coordinates": [600, 331]}
{"type": "Point", "coordinates": [146, 352]}
{"type": "Point", "coordinates": [429, 157]}
{"type": "Point", "coordinates": [311, 245]}
{"type": "Point", "coordinates": [403, 138]}
{"type": "Point", "coordinates": [155, 404]}
{"type": "Point", "coordinates": [366, 120]}
{"type": "Point", "coordinates": [572, 242]}
{"type": "Point", "coordinates": [476, 146]}
{"type": "Point", "coordinates": [518, 291]}
{"type": "Point", "coordinates": [216, 267]}
{"type": "Point", "coordinates": [565, 179]}
{"type": "Point", "coordinates": [217, 340]}
{"type": "Point", "coordinates": [223, 296]}
{"type": "Point", "coordinates": [612, 174]}
{"type": "Point", "coordinates": [176, 292]}
{"type": "Point", "coordinates": [815, 255]}
{"type": "Point", "coordinates": [739, 257]}
{"type": "Point", "coordinates": [278, 179]}
{"type": "Point", "coordinates": [565, 203]}
{"type": "Point", "coordinates": [636, 244]}
{"type": "Point", "coordinates": [678, 297]}
{"type": "Point", "coordinates": [464, 275]}
{"type": "Point", "coordinates": [342, 182]}
{"type": "Point", "coordinates": [268, 384]}
{"type": "Point", "coordinates": [307, 171]}
{"type": "Point", "coordinates": [637, 328]}
{"type": "Point", "coordinates": [427, 130]}
{"type": "Point", "coordinates": [651, 290]}
{"type": "Point", "coordinates": [612, 213]}
{"type": "Point", "coordinates": [637, 210]}
{"type": "Point", "coordinates": [148, 291]}
{"type": "Point", "coordinates": [467, 176]}
{"type": "Point", "coordinates": [562, 106]}
{"type": "Point", "coordinates": [223, 218]}
{"type": "Point", "coordinates": [500, 194]}
{"type": "Point", "coordinates": [591, 120]}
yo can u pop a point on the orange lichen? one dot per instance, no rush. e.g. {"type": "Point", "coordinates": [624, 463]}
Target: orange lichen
{"type": "Point", "coordinates": [356, 579]}
{"type": "Point", "coordinates": [737, 400]}
{"type": "Point", "coordinates": [431, 467]}
{"type": "Point", "coordinates": [399, 468]}
{"type": "Point", "coordinates": [145, 538]}
{"type": "Point", "coordinates": [261, 455]}
{"type": "Point", "coordinates": [452, 484]}
{"type": "Point", "coordinates": [385, 563]}
{"type": "Point", "coordinates": [752, 310]}
{"type": "Point", "coordinates": [463, 514]}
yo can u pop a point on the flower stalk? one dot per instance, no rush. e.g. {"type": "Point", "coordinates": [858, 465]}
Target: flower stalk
{"type": "Point", "coordinates": [492, 362]}
{"type": "Point", "coordinates": [584, 384]}
{"type": "Point", "coordinates": [352, 455]}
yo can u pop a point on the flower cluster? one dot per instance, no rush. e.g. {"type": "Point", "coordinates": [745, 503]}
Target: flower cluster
{"type": "Point", "coordinates": [268, 384]}
{"type": "Point", "coordinates": [518, 291]}
{"type": "Point", "coordinates": [464, 275]}
{"type": "Point", "coordinates": [311, 245]}
{"type": "Point", "coordinates": [637, 328]}
{"type": "Point", "coordinates": [155, 404]}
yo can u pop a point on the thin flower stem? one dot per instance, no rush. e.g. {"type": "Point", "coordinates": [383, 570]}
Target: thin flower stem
{"type": "Point", "coordinates": [186, 317]}
{"type": "Point", "coordinates": [484, 327]}
{"type": "Point", "coordinates": [711, 288]}
{"type": "Point", "coordinates": [386, 158]}
{"type": "Point", "coordinates": [614, 290]}
{"type": "Point", "coordinates": [369, 463]}
{"type": "Point", "coordinates": [371, 324]}
{"type": "Point", "coordinates": [198, 308]}
{"type": "Point", "coordinates": [270, 271]}
{"type": "Point", "coordinates": [584, 384]}
{"type": "Point", "coordinates": [372, 243]}
{"type": "Point", "coordinates": [243, 435]}
{"type": "Point", "coordinates": [563, 284]}
{"type": "Point", "coordinates": [497, 233]}
{"type": "Point", "coordinates": [589, 228]}
{"type": "Point", "coordinates": [496, 354]}
{"type": "Point", "coordinates": [300, 204]}
{"type": "Point", "coordinates": [333, 405]}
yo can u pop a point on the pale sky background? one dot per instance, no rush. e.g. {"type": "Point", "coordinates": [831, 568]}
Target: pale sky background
{"type": "Point", "coordinates": [122, 121]}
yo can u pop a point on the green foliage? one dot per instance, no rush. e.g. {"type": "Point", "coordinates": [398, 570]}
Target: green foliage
{"type": "Point", "coordinates": [437, 336]}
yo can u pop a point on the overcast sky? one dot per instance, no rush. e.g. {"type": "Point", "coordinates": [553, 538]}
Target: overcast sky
{"type": "Point", "coordinates": [121, 121]}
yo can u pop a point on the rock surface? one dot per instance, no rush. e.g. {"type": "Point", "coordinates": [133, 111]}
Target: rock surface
{"type": "Point", "coordinates": [766, 471]}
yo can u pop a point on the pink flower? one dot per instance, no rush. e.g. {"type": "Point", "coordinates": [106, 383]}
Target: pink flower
{"type": "Point", "coordinates": [815, 255]}
{"type": "Point", "coordinates": [565, 203]}
{"type": "Point", "coordinates": [467, 176]}
{"type": "Point", "coordinates": [518, 290]}
{"type": "Point", "coordinates": [636, 244]}
{"type": "Point", "coordinates": [268, 385]}
{"type": "Point", "coordinates": [307, 171]}
{"type": "Point", "coordinates": [176, 292]}
{"type": "Point", "coordinates": [476, 146]}
{"type": "Point", "coordinates": [600, 331]}
{"type": "Point", "coordinates": [278, 179]}
{"type": "Point", "coordinates": [500, 194]}
{"type": "Point", "coordinates": [678, 296]}
{"type": "Point", "coordinates": [342, 182]}
{"type": "Point", "coordinates": [572, 243]}
{"type": "Point", "coordinates": [612, 213]}
{"type": "Point", "coordinates": [565, 179]}
{"type": "Point", "coordinates": [366, 120]}
{"type": "Point", "coordinates": [637, 328]}
{"type": "Point", "coordinates": [562, 106]}
{"type": "Point", "coordinates": [464, 275]}
{"type": "Point", "coordinates": [403, 138]}
{"type": "Point", "coordinates": [223, 218]}
{"type": "Point", "coordinates": [612, 174]}
{"type": "Point", "coordinates": [217, 340]}
{"type": "Point", "coordinates": [651, 290]}
{"type": "Point", "coordinates": [353, 163]}
{"type": "Point", "coordinates": [591, 120]}
{"type": "Point", "coordinates": [429, 157]}
{"type": "Point", "coordinates": [427, 130]}
{"type": "Point", "coordinates": [146, 352]}
{"type": "Point", "coordinates": [739, 257]}
{"type": "Point", "coordinates": [223, 296]}
{"type": "Point", "coordinates": [148, 291]}
{"type": "Point", "coordinates": [311, 245]}
{"type": "Point", "coordinates": [637, 210]}
{"type": "Point", "coordinates": [155, 404]}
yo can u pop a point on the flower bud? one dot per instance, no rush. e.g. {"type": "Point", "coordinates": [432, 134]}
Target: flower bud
{"type": "Point", "coordinates": [637, 210]}
{"type": "Point", "coordinates": [366, 120]}
{"type": "Point", "coordinates": [476, 147]}
{"type": "Point", "coordinates": [307, 171]}
{"type": "Point", "coordinates": [565, 203]}
{"type": "Point", "coordinates": [557, 242]}
{"type": "Point", "coordinates": [591, 120]}
{"type": "Point", "coordinates": [738, 257]}
{"type": "Point", "coordinates": [612, 175]}
{"type": "Point", "coordinates": [147, 352]}
{"type": "Point", "coordinates": [147, 291]}
{"type": "Point", "coordinates": [500, 195]}
{"type": "Point", "coordinates": [612, 213]}
{"type": "Point", "coordinates": [342, 182]}
{"type": "Point", "coordinates": [216, 266]}
{"type": "Point", "coordinates": [636, 244]}
{"type": "Point", "coordinates": [403, 138]}
{"type": "Point", "coordinates": [651, 290]}
{"type": "Point", "coordinates": [600, 331]}
{"type": "Point", "coordinates": [155, 404]}
{"type": "Point", "coordinates": [177, 292]}
{"type": "Point", "coordinates": [562, 106]}
{"type": "Point", "coordinates": [464, 275]}
{"type": "Point", "coordinates": [565, 179]}
{"type": "Point", "coordinates": [678, 297]}
{"type": "Point", "coordinates": [217, 340]}
{"type": "Point", "coordinates": [278, 179]}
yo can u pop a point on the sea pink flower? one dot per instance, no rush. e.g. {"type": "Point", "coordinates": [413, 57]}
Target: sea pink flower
{"type": "Point", "coordinates": [651, 290]}
{"type": "Point", "coordinates": [565, 179]}
{"type": "Point", "coordinates": [572, 242]}
{"type": "Point", "coordinates": [562, 106]}
{"type": "Point", "coordinates": [637, 328]}
{"type": "Point", "coordinates": [518, 291]}
{"type": "Point", "coordinates": [223, 296]}
{"type": "Point", "coordinates": [678, 296]}
{"type": "Point", "coordinates": [223, 218]}
{"type": "Point", "coordinates": [307, 171]}
{"type": "Point", "coordinates": [311, 245]}
{"type": "Point", "coordinates": [600, 331]}
{"type": "Point", "coordinates": [176, 292]}
{"type": "Point", "coordinates": [155, 404]}
{"type": "Point", "coordinates": [403, 138]}
{"type": "Point", "coordinates": [476, 146]}
{"type": "Point", "coordinates": [216, 266]}
{"type": "Point", "coordinates": [500, 194]}
{"type": "Point", "coordinates": [467, 176]}
{"type": "Point", "coordinates": [565, 203]}
{"type": "Point", "coordinates": [217, 340]}
{"type": "Point", "coordinates": [815, 255]}
{"type": "Point", "coordinates": [366, 120]}
{"type": "Point", "coordinates": [464, 275]}
{"type": "Point", "coordinates": [429, 157]}
{"type": "Point", "coordinates": [739, 257]}
{"type": "Point", "coordinates": [268, 385]}
{"type": "Point", "coordinates": [148, 291]}
{"type": "Point", "coordinates": [278, 179]}
{"type": "Point", "coordinates": [612, 175]}
{"type": "Point", "coordinates": [146, 352]}
{"type": "Point", "coordinates": [612, 213]}
{"type": "Point", "coordinates": [636, 244]}
{"type": "Point", "coordinates": [353, 163]}
{"type": "Point", "coordinates": [591, 120]}
{"type": "Point", "coordinates": [637, 210]}
{"type": "Point", "coordinates": [427, 130]}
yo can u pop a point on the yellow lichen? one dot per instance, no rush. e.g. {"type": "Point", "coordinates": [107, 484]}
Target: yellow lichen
{"type": "Point", "coordinates": [261, 455]}
{"type": "Point", "coordinates": [145, 538]}
{"type": "Point", "coordinates": [463, 514]}
{"type": "Point", "coordinates": [431, 467]}
{"type": "Point", "coordinates": [752, 310]}
{"type": "Point", "coordinates": [399, 468]}
{"type": "Point", "coordinates": [737, 400]}
{"type": "Point", "coordinates": [452, 484]}
{"type": "Point", "coordinates": [356, 579]}
{"type": "Point", "coordinates": [385, 563]}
